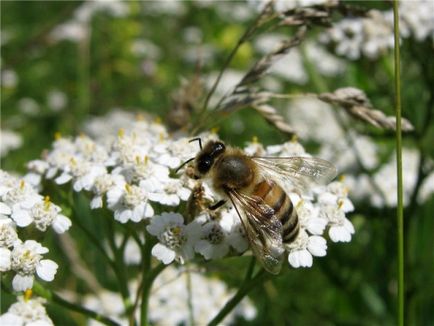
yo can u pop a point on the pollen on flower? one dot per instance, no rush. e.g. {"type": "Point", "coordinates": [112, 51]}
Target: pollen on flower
{"type": "Point", "coordinates": [28, 294]}
{"type": "Point", "coordinates": [121, 133]}
{"type": "Point", "coordinates": [215, 235]}
{"type": "Point", "coordinates": [57, 135]}
{"type": "Point", "coordinates": [47, 202]}
{"type": "Point", "coordinates": [214, 130]}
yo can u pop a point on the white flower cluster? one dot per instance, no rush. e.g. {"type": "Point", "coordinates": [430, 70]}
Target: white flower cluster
{"type": "Point", "coordinates": [133, 173]}
{"type": "Point", "coordinates": [372, 36]}
{"type": "Point", "coordinates": [285, 5]}
{"type": "Point", "coordinates": [315, 121]}
{"type": "Point", "coordinates": [21, 206]}
{"type": "Point", "coordinates": [386, 181]}
{"type": "Point", "coordinates": [207, 296]}
{"type": "Point", "coordinates": [291, 66]}
{"type": "Point", "coordinates": [76, 29]}
{"type": "Point", "coordinates": [26, 312]}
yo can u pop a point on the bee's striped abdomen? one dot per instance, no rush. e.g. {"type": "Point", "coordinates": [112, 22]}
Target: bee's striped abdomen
{"type": "Point", "coordinates": [275, 197]}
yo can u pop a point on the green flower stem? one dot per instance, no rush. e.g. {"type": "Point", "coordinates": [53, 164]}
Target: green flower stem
{"type": "Point", "coordinates": [84, 75]}
{"type": "Point", "coordinates": [400, 207]}
{"type": "Point", "coordinates": [149, 275]}
{"type": "Point", "coordinates": [119, 267]}
{"type": "Point", "coordinates": [190, 299]}
{"type": "Point", "coordinates": [146, 291]}
{"type": "Point", "coordinates": [97, 243]}
{"type": "Point", "coordinates": [54, 298]}
{"type": "Point", "coordinates": [248, 284]}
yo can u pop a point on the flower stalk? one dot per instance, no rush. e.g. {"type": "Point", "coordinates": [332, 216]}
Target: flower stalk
{"type": "Point", "coordinates": [400, 206]}
{"type": "Point", "coordinates": [248, 284]}
{"type": "Point", "coordinates": [54, 298]}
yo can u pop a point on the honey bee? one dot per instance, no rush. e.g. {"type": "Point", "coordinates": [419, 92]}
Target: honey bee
{"type": "Point", "coordinates": [254, 186]}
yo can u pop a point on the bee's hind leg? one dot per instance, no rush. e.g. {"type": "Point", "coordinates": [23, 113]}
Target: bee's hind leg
{"type": "Point", "coordinates": [220, 203]}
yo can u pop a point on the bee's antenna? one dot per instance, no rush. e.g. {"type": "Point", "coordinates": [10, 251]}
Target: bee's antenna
{"type": "Point", "coordinates": [179, 167]}
{"type": "Point", "coordinates": [196, 139]}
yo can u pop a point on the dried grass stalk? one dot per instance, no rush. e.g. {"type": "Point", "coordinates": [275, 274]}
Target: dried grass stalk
{"type": "Point", "coordinates": [241, 98]}
{"type": "Point", "coordinates": [262, 66]}
{"type": "Point", "coordinates": [356, 103]}
{"type": "Point", "coordinates": [270, 114]}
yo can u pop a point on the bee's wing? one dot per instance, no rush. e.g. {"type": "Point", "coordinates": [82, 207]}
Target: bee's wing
{"type": "Point", "coordinates": [299, 171]}
{"type": "Point", "coordinates": [263, 229]}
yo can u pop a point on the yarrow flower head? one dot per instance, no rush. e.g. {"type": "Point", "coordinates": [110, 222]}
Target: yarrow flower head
{"type": "Point", "coordinates": [176, 240]}
{"type": "Point", "coordinates": [134, 173]}
{"type": "Point", "coordinates": [22, 206]}
{"type": "Point", "coordinates": [26, 259]}
{"type": "Point", "coordinates": [26, 312]}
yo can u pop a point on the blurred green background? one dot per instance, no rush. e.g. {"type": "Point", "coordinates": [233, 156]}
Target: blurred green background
{"type": "Point", "coordinates": [135, 61]}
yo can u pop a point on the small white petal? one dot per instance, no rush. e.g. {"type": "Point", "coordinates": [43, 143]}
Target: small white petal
{"type": "Point", "coordinates": [61, 224]}
{"type": "Point", "coordinates": [5, 260]}
{"type": "Point", "coordinates": [22, 283]}
{"type": "Point", "coordinates": [63, 178]}
{"type": "Point", "coordinates": [300, 258]}
{"type": "Point", "coordinates": [317, 246]}
{"type": "Point", "coordinates": [163, 253]}
{"type": "Point", "coordinates": [137, 213]}
{"type": "Point", "coordinates": [305, 258]}
{"type": "Point", "coordinates": [204, 248]}
{"type": "Point", "coordinates": [123, 216]}
{"type": "Point", "coordinates": [22, 217]}
{"type": "Point", "coordinates": [46, 269]}
{"type": "Point", "coordinates": [149, 211]}
{"type": "Point", "coordinates": [339, 234]}
{"type": "Point", "coordinates": [10, 319]}
{"type": "Point", "coordinates": [96, 202]}
{"type": "Point", "coordinates": [5, 209]}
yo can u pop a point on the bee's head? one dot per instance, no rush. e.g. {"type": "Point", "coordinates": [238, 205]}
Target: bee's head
{"type": "Point", "coordinates": [206, 157]}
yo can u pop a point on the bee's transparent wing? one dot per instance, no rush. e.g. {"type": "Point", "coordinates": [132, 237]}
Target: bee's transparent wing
{"type": "Point", "coordinates": [263, 229]}
{"type": "Point", "coordinates": [301, 172]}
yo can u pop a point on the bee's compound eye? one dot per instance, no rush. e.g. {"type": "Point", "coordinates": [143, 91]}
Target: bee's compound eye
{"type": "Point", "coordinates": [204, 164]}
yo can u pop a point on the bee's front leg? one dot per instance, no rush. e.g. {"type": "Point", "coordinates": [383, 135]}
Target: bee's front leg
{"type": "Point", "coordinates": [220, 203]}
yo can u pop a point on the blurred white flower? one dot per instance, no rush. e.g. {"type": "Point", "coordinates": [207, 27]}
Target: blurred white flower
{"type": "Point", "coordinates": [384, 193]}
{"type": "Point", "coordinates": [56, 100]}
{"type": "Point", "coordinates": [101, 185]}
{"type": "Point", "coordinates": [5, 259]}
{"type": "Point", "coordinates": [304, 247]}
{"type": "Point", "coordinates": [372, 36]}
{"type": "Point", "coordinates": [8, 234]}
{"type": "Point", "coordinates": [290, 148]}
{"type": "Point", "coordinates": [308, 215]}
{"type": "Point", "coordinates": [76, 29]}
{"type": "Point", "coordinates": [26, 312]}
{"type": "Point", "coordinates": [213, 244]}
{"type": "Point", "coordinates": [341, 228]}
{"type": "Point", "coordinates": [177, 240]}
{"type": "Point", "coordinates": [170, 193]}
{"type": "Point", "coordinates": [9, 78]}
{"type": "Point", "coordinates": [20, 198]}
{"type": "Point", "coordinates": [26, 259]}
{"type": "Point", "coordinates": [28, 106]}
{"type": "Point", "coordinates": [208, 295]}
{"type": "Point", "coordinates": [129, 202]}
{"type": "Point", "coordinates": [10, 140]}
{"type": "Point", "coordinates": [45, 213]}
